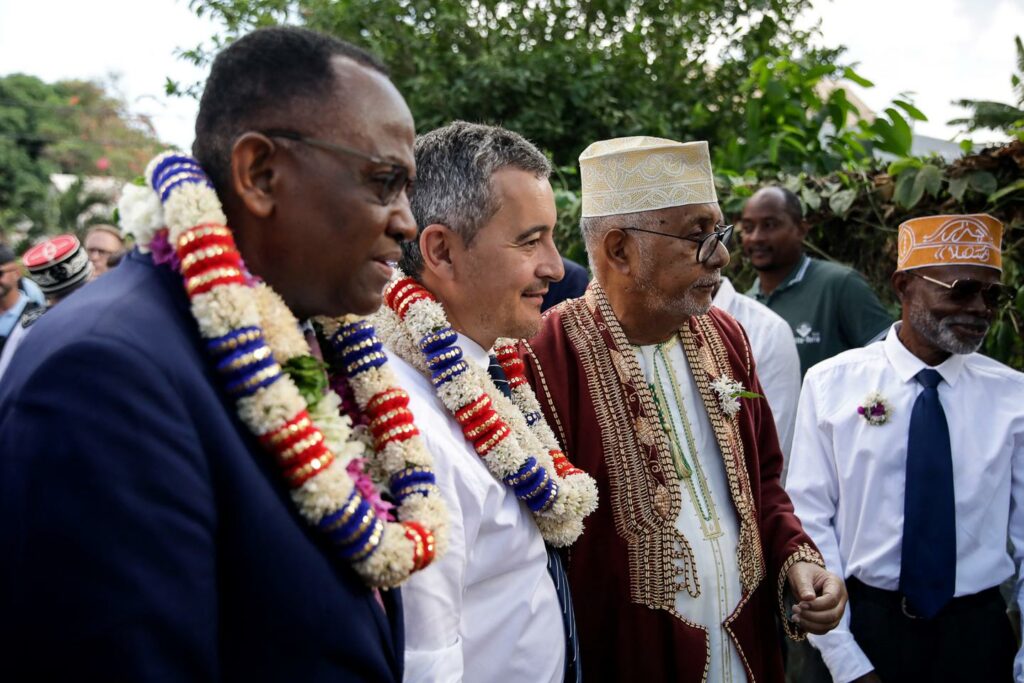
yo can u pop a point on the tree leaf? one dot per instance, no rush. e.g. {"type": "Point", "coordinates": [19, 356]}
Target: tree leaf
{"type": "Point", "coordinates": [811, 198]}
{"type": "Point", "coordinates": [841, 201]}
{"type": "Point", "coordinates": [912, 111]}
{"type": "Point", "coordinates": [900, 165]}
{"type": "Point", "coordinates": [1009, 189]}
{"type": "Point", "coordinates": [929, 178]}
{"type": "Point", "coordinates": [983, 182]}
{"type": "Point", "coordinates": [908, 192]}
{"type": "Point", "coordinates": [957, 187]}
{"type": "Point", "coordinates": [851, 75]}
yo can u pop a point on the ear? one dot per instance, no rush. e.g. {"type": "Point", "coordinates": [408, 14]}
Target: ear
{"type": "Point", "coordinates": [804, 227]}
{"type": "Point", "coordinates": [254, 172]}
{"type": "Point", "coordinates": [619, 251]}
{"type": "Point", "coordinates": [899, 281]}
{"type": "Point", "coordinates": [437, 242]}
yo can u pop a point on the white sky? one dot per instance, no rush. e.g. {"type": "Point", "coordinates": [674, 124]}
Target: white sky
{"type": "Point", "coordinates": [939, 50]}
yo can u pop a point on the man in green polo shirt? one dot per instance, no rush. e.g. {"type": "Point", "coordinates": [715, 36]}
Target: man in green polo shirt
{"type": "Point", "coordinates": [830, 307]}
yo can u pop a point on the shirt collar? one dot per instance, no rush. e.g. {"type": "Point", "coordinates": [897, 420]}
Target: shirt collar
{"type": "Point", "coordinates": [725, 294]}
{"type": "Point", "coordinates": [473, 352]}
{"type": "Point", "coordinates": [795, 276]}
{"type": "Point", "coordinates": [907, 365]}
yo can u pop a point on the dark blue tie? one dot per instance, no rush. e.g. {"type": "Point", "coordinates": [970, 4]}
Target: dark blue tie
{"type": "Point", "coordinates": [573, 668]}
{"type": "Point", "coordinates": [928, 565]}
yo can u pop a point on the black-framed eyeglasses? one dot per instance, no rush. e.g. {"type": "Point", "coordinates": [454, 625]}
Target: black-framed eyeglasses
{"type": "Point", "coordinates": [707, 244]}
{"type": "Point", "coordinates": [390, 183]}
{"type": "Point", "coordinates": [994, 294]}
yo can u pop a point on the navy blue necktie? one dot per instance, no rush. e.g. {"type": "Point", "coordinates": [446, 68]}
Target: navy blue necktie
{"type": "Point", "coordinates": [573, 669]}
{"type": "Point", "coordinates": [928, 565]}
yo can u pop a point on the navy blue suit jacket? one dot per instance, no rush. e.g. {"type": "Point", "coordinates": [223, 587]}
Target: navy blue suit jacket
{"type": "Point", "coordinates": [144, 535]}
{"type": "Point", "coordinates": [572, 285]}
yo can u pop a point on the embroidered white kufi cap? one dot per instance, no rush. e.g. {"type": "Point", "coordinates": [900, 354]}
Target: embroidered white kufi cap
{"type": "Point", "coordinates": [627, 175]}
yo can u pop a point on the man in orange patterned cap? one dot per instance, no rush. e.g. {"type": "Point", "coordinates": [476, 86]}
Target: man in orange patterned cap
{"type": "Point", "coordinates": [908, 471]}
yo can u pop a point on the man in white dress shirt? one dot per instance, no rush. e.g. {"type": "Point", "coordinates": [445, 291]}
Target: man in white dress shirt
{"type": "Point", "coordinates": [487, 610]}
{"type": "Point", "coordinates": [778, 363]}
{"type": "Point", "coordinates": [908, 471]}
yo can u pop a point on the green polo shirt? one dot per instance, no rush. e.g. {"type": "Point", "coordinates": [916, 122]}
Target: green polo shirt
{"type": "Point", "coordinates": [830, 308]}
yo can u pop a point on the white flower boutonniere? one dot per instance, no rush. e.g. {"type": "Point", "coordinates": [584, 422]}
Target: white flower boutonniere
{"type": "Point", "coordinates": [729, 394]}
{"type": "Point", "coordinates": [875, 409]}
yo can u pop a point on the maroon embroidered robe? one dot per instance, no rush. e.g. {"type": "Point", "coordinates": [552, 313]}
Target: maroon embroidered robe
{"type": "Point", "coordinates": [631, 561]}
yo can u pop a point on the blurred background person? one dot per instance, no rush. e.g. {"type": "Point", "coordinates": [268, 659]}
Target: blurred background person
{"type": "Point", "coordinates": [830, 307]}
{"type": "Point", "coordinates": [103, 243]}
{"type": "Point", "coordinates": [14, 302]}
{"type": "Point", "coordinates": [58, 266]}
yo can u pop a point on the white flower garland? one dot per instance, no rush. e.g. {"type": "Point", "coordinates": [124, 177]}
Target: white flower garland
{"type": "Point", "coordinates": [315, 443]}
{"type": "Point", "coordinates": [561, 523]}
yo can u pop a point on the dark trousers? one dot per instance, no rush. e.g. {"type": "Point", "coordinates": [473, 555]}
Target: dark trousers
{"type": "Point", "coordinates": [969, 641]}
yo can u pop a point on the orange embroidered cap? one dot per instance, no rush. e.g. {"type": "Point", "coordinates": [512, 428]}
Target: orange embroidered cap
{"type": "Point", "coordinates": [973, 239]}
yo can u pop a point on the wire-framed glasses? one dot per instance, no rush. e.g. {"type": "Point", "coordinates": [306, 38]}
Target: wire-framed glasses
{"type": "Point", "coordinates": [707, 244]}
{"type": "Point", "coordinates": [994, 294]}
{"type": "Point", "coordinates": [389, 183]}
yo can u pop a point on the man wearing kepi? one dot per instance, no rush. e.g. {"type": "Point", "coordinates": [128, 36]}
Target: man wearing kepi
{"type": "Point", "coordinates": [59, 266]}
{"type": "Point", "coordinates": [182, 498]}
{"type": "Point", "coordinates": [694, 547]}
{"type": "Point", "coordinates": [908, 471]}
{"type": "Point", "coordinates": [496, 607]}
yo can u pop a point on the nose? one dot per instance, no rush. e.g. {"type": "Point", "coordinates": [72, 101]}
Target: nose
{"type": "Point", "coordinates": [551, 267]}
{"type": "Point", "coordinates": [401, 224]}
{"type": "Point", "coordinates": [720, 259]}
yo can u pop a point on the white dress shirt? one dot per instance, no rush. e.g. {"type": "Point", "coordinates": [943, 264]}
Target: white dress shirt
{"type": "Point", "coordinates": [778, 363]}
{"type": "Point", "coordinates": [487, 610]}
{"type": "Point", "coordinates": [707, 518]}
{"type": "Point", "coordinates": [847, 477]}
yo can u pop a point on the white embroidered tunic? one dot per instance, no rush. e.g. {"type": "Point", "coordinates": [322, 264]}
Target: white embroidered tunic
{"type": "Point", "coordinates": [707, 518]}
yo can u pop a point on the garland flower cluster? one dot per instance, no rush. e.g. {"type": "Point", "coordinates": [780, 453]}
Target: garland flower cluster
{"type": "Point", "coordinates": [510, 435]}
{"type": "Point", "coordinates": [279, 388]}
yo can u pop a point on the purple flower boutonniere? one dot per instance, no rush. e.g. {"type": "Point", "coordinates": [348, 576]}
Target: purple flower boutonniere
{"type": "Point", "coordinates": [875, 409]}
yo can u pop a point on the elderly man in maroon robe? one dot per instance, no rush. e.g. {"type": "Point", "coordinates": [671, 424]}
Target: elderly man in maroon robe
{"type": "Point", "coordinates": [694, 547]}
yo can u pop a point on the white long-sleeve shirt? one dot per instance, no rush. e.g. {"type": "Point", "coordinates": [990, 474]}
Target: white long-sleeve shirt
{"type": "Point", "coordinates": [487, 610]}
{"type": "Point", "coordinates": [778, 363]}
{"type": "Point", "coordinates": [847, 477]}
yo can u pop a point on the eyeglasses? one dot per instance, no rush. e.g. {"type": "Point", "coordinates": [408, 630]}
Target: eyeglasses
{"type": "Point", "coordinates": [994, 294]}
{"type": "Point", "coordinates": [708, 243]}
{"type": "Point", "coordinates": [390, 183]}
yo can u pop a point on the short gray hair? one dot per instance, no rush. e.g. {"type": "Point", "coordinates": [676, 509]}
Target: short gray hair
{"type": "Point", "coordinates": [593, 229]}
{"type": "Point", "coordinates": [454, 165]}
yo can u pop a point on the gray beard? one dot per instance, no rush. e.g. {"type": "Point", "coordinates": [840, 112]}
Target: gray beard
{"type": "Point", "coordinates": [678, 307]}
{"type": "Point", "coordinates": [938, 332]}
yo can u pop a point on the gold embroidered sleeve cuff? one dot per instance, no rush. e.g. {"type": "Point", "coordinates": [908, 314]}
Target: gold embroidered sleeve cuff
{"type": "Point", "coordinates": [804, 553]}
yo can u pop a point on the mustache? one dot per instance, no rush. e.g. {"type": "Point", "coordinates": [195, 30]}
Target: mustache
{"type": "Point", "coordinates": [709, 281]}
{"type": "Point", "coordinates": [965, 319]}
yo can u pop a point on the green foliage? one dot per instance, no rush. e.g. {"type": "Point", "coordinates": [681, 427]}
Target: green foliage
{"type": "Point", "coordinates": [739, 74]}
{"type": "Point", "coordinates": [855, 213]}
{"type": "Point", "coordinates": [309, 375]}
{"type": "Point", "coordinates": [563, 72]}
{"type": "Point", "coordinates": [74, 127]}
{"type": "Point", "coordinates": [985, 114]}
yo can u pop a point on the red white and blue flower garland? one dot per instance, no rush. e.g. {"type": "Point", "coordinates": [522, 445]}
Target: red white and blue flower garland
{"type": "Point", "coordinates": [252, 338]}
{"type": "Point", "coordinates": [511, 436]}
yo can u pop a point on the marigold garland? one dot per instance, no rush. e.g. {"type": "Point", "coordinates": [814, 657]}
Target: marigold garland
{"type": "Point", "coordinates": [511, 436]}
{"type": "Point", "coordinates": [251, 336]}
